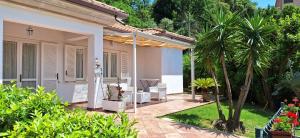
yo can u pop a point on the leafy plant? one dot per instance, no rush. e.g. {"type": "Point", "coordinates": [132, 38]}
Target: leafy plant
{"type": "Point", "coordinates": [203, 83]}
{"type": "Point", "coordinates": [38, 114]}
{"type": "Point", "coordinates": [282, 124]}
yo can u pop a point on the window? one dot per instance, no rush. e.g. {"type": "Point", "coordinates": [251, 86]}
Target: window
{"type": "Point", "coordinates": [79, 63]}
{"type": "Point", "coordinates": [75, 63]}
{"type": "Point", "coordinates": [110, 64]}
{"type": "Point", "coordinates": [288, 1]}
{"type": "Point", "coordinates": [114, 63]}
{"type": "Point", "coordinates": [105, 65]}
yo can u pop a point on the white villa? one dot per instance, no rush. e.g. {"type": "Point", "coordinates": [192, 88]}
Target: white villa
{"type": "Point", "coordinates": [56, 43]}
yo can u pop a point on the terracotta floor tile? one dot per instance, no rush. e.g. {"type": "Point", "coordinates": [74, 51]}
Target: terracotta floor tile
{"type": "Point", "coordinates": [150, 126]}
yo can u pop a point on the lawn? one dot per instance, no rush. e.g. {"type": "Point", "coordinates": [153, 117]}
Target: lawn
{"type": "Point", "coordinates": [202, 116]}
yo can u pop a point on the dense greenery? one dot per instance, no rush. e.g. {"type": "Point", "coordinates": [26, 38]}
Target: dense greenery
{"type": "Point", "coordinates": [25, 113]}
{"type": "Point", "coordinates": [204, 116]}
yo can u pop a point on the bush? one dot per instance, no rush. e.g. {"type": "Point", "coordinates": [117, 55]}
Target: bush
{"type": "Point", "coordinates": [25, 113]}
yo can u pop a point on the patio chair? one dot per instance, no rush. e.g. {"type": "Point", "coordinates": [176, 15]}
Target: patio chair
{"type": "Point", "coordinates": [128, 94]}
{"type": "Point", "coordinates": [159, 92]}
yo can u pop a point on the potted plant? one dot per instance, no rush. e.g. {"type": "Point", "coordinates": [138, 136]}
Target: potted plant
{"type": "Point", "coordinates": [114, 100]}
{"type": "Point", "coordinates": [204, 84]}
{"type": "Point", "coordinates": [284, 124]}
{"type": "Point", "coordinates": [282, 128]}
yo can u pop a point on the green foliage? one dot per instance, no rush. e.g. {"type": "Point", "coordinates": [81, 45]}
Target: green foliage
{"type": "Point", "coordinates": [166, 24]}
{"type": "Point", "coordinates": [27, 114]}
{"type": "Point", "coordinates": [255, 34]}
{"type": "Point", "coordinates": [292, 84]}
{"type": "Point", "coordinates": [290, 108]}
{"type": "Point", "coordinates": [203, 83]}
{"type": "Point", "coordinates": [140, 12]}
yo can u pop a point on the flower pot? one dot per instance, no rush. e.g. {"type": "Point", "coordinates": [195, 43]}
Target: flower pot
{"type": "Point", "coordinates": [206, 96]}
{"type": "Point", "coordinates": [116, 106]}
{"type": "Point", "coordinates": [281, 134]}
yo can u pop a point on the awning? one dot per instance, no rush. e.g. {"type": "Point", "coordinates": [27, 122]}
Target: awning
{"type": "Point", "coordinates": [145, 39]}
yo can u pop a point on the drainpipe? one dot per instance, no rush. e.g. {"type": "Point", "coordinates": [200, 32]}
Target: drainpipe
{"type": "Point", "coordinates": [119, 20]}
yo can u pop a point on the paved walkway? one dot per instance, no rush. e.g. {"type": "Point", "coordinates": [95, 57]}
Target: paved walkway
{"type": "Point", "coordinates": [150, 126]}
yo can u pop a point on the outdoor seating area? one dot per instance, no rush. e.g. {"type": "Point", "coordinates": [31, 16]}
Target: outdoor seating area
{"type": "Point", "coordinates": [119, 95]}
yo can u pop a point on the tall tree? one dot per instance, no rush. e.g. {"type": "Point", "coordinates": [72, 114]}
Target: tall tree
{"type": "Point", "coordinates": [209, 60]}
{"type": "Point", "coordinates": [221, 41]}
{"type": "Point", "coordinates": [255, 51]}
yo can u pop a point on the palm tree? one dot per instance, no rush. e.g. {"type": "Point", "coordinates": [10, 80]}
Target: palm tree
{"type": "Point", "coordinates": [255, 51]}
{"type": "Point", "coordinates": [220, 40]}
{"type": "Point", "coordinates": [209, 59]}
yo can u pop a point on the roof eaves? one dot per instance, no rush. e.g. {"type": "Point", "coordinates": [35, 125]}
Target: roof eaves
{"type": "Point", "coordinates": [99, 6]}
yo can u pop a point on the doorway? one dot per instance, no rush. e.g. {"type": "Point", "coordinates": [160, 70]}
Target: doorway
{"type": "Point", "coordinates": [20, 63]}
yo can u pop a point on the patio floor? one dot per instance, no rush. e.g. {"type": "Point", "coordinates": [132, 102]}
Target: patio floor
{"type": "Point", "coordinates": [150, 126]}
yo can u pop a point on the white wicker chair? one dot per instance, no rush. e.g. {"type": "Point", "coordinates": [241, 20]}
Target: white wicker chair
{"type": "Point", "coordinates": [159, 92]}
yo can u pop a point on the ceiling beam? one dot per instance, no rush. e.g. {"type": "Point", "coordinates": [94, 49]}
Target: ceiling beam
{"type": "Point", "coordinates": [77, 38]}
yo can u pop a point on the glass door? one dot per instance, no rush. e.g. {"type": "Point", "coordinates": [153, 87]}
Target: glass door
{"type": "Point", "coordinates": [29, 65]}
{"type": "Point", "coordinates": [9, 61]}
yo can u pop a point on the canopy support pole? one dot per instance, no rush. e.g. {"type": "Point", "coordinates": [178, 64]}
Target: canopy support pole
{"type": "Point", "coordinates": [192, 73]}
{"type": "Point", "coordinates": [134, 71]}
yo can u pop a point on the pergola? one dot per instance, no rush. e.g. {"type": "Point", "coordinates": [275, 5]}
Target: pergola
{"type": "Point", "coordinates": [138, 38]}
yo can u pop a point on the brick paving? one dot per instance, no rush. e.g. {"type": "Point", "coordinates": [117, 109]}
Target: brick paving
{"type": "Point", "coordinates": [150, 126]}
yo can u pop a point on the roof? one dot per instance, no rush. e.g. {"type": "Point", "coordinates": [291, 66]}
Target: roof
{"type": "Point", "coordinates": [153, 31]}
{"type": "Point", "coordinates": [99, 6]}
{"type": "Point", "coordinates": [162, 32]}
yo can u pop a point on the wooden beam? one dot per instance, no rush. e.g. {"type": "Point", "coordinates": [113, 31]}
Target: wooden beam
{"type": "Point", "coordinates": [77, 38]}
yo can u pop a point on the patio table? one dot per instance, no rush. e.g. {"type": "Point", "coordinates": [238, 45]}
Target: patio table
{"type": "Point", "coordinates": [146, 83]}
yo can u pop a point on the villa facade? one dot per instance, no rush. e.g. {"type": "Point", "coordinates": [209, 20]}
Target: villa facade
{"type": "Point", "coordinates": [57, 43]}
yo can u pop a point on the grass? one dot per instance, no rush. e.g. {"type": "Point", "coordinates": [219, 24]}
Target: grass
{"type": "Point", "coordinates": [297, 132]}
{"type": "Point", "coordinates": [202, 116]}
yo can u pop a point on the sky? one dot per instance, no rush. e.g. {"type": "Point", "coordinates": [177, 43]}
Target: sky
{"type": "Point", "coordinates": [264, 3]}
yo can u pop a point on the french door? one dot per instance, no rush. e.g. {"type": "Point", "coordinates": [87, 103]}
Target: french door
{"type": "Point", "coordinates": [49, 66]}
{"type": "Point", "coordinates": [20, 63]}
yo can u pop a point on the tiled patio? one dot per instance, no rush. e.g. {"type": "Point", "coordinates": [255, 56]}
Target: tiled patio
{"type": "Point", "coordinates": [150, 126]}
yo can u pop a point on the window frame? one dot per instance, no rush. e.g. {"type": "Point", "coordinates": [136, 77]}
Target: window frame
{"type": "Point", "coordinates": [76, 47]}
{"type": "Point", "coordinates": [20, 42]}
{"type": "Point", "coordinates": [110, 52]}
{"type": "Point", "coordinates": [83, 64]}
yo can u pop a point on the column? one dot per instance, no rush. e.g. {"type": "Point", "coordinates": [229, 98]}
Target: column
{"type": "Point", "coordinates": [134, 70]}
{"type": "Point", "coordinates": [192, 73]}
{"type": "Point", "coordinates": [95, 52]}
{"type": "Point", "coordinates": [1, 48]}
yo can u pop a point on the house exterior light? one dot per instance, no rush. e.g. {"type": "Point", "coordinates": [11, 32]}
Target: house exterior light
{"type": "Point", "coordinates": [29, 31]}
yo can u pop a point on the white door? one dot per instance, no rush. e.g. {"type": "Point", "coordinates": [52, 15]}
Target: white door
{"type": "Point", "coordinates": [20, 63]}
{"type": "Point", "coordinates": [28, 76]}
{"type": "Point", "coordinates": [10, 61]}
{"type": "Point", "coordinates": [49, 66]}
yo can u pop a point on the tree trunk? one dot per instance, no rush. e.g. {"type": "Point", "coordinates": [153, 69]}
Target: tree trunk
{"type": "Point", "coordinates": [243, 95]}
{"type": "Point", "coordinates": [267, 90]}
{"type": "Point", "coordinates": [219, 108]}
{"type": "Point", "coordinates": [229, 93]}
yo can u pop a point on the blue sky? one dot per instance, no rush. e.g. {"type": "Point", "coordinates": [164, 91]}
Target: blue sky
{"type": "Point", "coordinates": [264, 3]}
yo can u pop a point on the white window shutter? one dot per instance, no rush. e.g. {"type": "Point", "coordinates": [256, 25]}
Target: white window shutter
{"type": "Point", "coordinates": [70, 63]}
{"type": "Point", "coordinates": [124, 65]}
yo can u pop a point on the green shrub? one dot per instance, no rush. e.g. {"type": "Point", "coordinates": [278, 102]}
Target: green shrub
{"type": "Point", "coordinates": [38, 114]}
